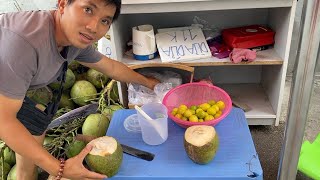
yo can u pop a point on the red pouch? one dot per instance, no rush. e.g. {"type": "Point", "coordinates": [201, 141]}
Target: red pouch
{"type": "Point", "coordinates": [248, 36]}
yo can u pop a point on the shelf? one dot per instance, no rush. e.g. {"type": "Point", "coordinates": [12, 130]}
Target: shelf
{"type": "Point", "coordinates": [266, 57]}
{"type": "Point", "coordinates": [158, 6]}
{"type": "Point", "coordinates": [252, 95]}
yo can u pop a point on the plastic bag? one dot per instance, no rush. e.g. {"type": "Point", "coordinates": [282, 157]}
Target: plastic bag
{"type": "Point", "coordinates": [138, 94]}
{"type": "Point", "coordinates": [209, 31]}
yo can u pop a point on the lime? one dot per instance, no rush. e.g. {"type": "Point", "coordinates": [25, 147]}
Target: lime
{"type": "Point", "coordinates": [187, 113]}
{"type": "Point", "coordinates": [221, 105]}
{"type": "Point", "coordinates": [216, 107]}
{"type": "Point", "coordinates": [208, 118]}
{"type": "Point", "coordinates": [179, 116]}
{"type": "Point", "coordinates": [184, 118]}
{"type": "Point", "coordinates": [217, 115]}
{"type": "Point", "coordinates": [212, 111]}
{"type": "Point", "coordinates": [205, 106]}
{"type": "Point", "coordinates": [173, 113]}
{"type": "Point", "coordinates": [182, 106]}
{"type": "Point", "coordinates": [181, 111]}
{"type": "Point", "coordinates": [201, 114]}
{"type": "Point", "coordinates": [193, 118]}
{"type": "Point", "coordinates": [194, 107]}
{"type": "Point", "coordinates": [212, 102]}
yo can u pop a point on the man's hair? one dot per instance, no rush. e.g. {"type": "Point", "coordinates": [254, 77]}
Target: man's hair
{"type": "Point", "coordinates": [116, 3]}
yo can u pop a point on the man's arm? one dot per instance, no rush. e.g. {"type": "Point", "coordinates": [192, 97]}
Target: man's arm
{"type": "Point", "coordinates": [120, 72]}
{"type": "Point", "coordinates": [17, 137]}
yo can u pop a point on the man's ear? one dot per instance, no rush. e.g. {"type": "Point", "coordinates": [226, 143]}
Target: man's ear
{"type": "Point", "coordinates": [61, 5]}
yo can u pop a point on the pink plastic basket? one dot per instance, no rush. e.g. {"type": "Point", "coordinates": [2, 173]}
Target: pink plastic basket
{"type": "Point", "coordinates": [195, 94]}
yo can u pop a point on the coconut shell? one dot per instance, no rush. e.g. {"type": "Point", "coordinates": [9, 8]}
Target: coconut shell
{"type": "Point", "coordinates": [107, 164]}
{"type": "Point", "coordinates": [202, 154]}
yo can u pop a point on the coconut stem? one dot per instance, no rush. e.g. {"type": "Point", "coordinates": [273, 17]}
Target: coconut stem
{"type": "Point", "coordinates": [62, 136]}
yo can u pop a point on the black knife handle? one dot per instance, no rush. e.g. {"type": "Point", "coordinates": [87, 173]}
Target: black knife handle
{"type": "Point", "coordinates": [137, 153]}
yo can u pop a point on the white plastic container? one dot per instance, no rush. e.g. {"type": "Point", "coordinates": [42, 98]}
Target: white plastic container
{"type": "Point", "coordinates": [155, 132]}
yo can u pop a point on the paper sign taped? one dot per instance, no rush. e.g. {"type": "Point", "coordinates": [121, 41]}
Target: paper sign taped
{"type": "Point", "coordinates": [178, 45]}
{"type": "Point", "coordinates": [105, 47]}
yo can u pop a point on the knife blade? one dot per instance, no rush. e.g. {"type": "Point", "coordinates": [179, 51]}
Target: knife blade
{"type": "Point", "coordinates": [126, 149]}
{"type": "Point", "coordinates": [73, 114]}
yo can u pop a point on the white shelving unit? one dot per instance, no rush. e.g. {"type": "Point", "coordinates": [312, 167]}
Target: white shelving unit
{"type": "Point", "coordinates": [259, 84]}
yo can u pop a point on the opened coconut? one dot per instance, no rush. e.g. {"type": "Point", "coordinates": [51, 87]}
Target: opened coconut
{"type": "Point", "coordinates": [82, 92]}
{"type": "Point", "coordinates": [105, 156]}
{"type": "Point", "coordinates": [95, 125]}
{"type": "Point", "coordinates": [201, 143]}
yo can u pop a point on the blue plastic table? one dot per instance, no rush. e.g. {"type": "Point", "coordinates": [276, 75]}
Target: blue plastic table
{"type": "Point", "coordinates": [236, 157]}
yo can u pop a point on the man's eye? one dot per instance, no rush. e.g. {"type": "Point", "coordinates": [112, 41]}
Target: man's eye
{"type": "Point", "coordinates": [105, 22]}
{"type": "Point", "coordinates": [88, 10]}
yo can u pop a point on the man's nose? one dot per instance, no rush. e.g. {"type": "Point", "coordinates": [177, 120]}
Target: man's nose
{"type": "Point", "coordinates": [93, 25]}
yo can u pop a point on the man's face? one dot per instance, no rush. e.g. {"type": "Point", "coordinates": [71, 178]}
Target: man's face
{"type": "Point", "coordinates": [84, 22]}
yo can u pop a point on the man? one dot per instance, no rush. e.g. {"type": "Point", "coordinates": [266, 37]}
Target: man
{"type": "Point", "coordinates": [33, 47]}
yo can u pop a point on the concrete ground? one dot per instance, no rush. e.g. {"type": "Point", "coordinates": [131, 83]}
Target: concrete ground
{"type": "Point", "coordinates": [268, 139]}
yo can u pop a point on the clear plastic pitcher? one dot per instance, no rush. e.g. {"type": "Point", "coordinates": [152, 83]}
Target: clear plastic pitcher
{"type": "Point", "coordinates": [157, 132]}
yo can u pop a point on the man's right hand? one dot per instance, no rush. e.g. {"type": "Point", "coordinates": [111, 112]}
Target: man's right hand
{"type": "Point", "coordinates": [74, 168]}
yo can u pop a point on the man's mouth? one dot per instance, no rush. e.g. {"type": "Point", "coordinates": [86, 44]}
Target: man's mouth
{"type": "Point", "coordinates": [87, 37]}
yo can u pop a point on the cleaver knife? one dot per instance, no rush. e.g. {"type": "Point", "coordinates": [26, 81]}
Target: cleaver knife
{"type": "Point", "coordinates": [126, 149]}
{"type": "Point", "coordinates": [73, 114]}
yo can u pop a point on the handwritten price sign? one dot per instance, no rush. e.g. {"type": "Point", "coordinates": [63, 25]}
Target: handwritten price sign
{"type": "Point", "coordinates": [186, 44]}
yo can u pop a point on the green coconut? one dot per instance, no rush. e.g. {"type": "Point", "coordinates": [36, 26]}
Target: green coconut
{"type": "Point", "coordinates": [41, 95]}
{"type": "Point", "coordinates": [105, 156]}
{"type": "Point", "coordinates": [109, 110]}
{"type": "Point", "coordinates": [6, 170]}
{"type": "Point", "coordinates": [66, 102]}
{"type": "Point", "coordinates": [9, 156]}
{"type": "Point", "coordinates": [82, 92]}
{"type": "Point", "coordinates": [201, 143]}
{"type": "Point", "coordinates": [70, 80]}
{"type": "Point", "coordinates": [74, 148]}
{"type": "Point", "coordinates": [95, 125]}
{"type": "Point", "coordinates": [74, 65]}
{"type": "Point", "coordinates": [96, 78]}
{"type": "Point", "coordinates": [12, 174]}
